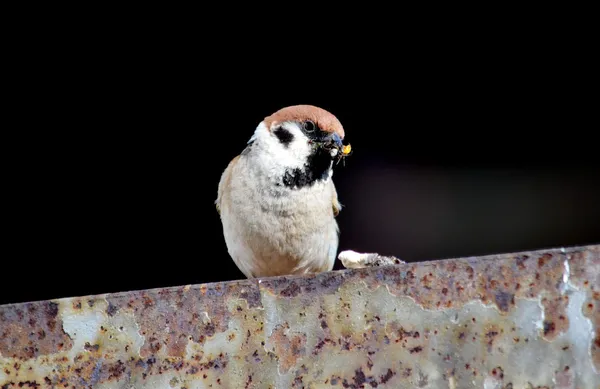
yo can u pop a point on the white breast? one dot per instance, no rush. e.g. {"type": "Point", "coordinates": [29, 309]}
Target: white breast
{"type": "Point", "coordinates": [271, 229]}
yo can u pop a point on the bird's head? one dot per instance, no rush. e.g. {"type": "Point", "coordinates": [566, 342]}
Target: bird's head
{"type": "Point", "coordinates": [298, 134]}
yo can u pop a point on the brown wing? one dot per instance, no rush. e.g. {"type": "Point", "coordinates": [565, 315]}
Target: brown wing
{"type": "Point", "coordinates": [336, 206]}
{"type": "Point", "coordinates": [224, 183]}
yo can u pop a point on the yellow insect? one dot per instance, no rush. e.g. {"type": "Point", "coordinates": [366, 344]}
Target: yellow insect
{"type": "Point", "coordinates": [346, 149]}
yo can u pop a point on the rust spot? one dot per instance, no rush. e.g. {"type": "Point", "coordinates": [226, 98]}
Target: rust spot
{"type": "Point", "coordinates": [329, 281]}
{"type": "Point", "coordinates": [549, 327]}
{"type": "Point", "coordinates": [51, 309]}
{"type": "Point", "coordinates": [521, 263]}
{"type": "Point", "coordinates": [498, 372]}
{"type": "Point", "coordinates": [251, 294]}
{"type": "Point", "coordinates": [470, 272]}
{"type": "Point", "coordinates": [147, 302]}
{"type": "Point", "coordinates": [359, 377]}
{"type": "Point", "coordinates": [33, 327]}
{"type": "Point", "coordinates": [291, 291]}
{"type": "Point", "coordinates": [415, 349]}
{"type": "Point", "coordinates": [25, 384]}
{"type": "Point", "coordinates": [288, 349]}
{"type": "Point", "coordinates": [112, 309]}
{"type": "Point", "coordinates": [387, 376]}
{"type": "Point", "coordinates": [89, 347]}
{"type": "Point", "coordinates": [544, 258]}
{"type": "Point", "coordinates": [116, 370]}
{"type": "Point", "coordinates": [554, 312]}
{"type": "Point", "coordinates": [491, 336]}
{"type": "Point", "coordinates": [504, 300]}
{"type": "Point", "coordinates": [426, 281]}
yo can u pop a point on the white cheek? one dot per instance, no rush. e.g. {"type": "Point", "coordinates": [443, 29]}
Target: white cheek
{"type": "Point", "coordinates": [275, 155]}
{"type": "Point", "coordinates": [334, 152]}
{"type": "Point", "coordinates": [296, 152]}
{"type": "Point", "coordinates": [299, 147]}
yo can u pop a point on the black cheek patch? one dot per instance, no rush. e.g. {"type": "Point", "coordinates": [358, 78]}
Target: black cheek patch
{"type": "Point", "coordinates": [284, 136]}
{"type": "Point", "coordinates": [316, 169]}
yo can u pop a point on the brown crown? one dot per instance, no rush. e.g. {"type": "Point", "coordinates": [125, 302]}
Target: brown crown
{"type": "Point", "coordinates": [322, 118]}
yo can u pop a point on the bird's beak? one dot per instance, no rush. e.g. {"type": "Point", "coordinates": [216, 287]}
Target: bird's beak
{"type": "Point", "coordinates": [337, 140]}
{"type": "Point", "coordinates": [334, 141]}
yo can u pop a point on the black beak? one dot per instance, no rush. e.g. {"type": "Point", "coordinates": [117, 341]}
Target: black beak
{"type": "Point", "coordinates": [330, 142]}
{"type": "Point", "coordinates": [337, 140]}
{"type": "Point", "coordinates": [333, 141]}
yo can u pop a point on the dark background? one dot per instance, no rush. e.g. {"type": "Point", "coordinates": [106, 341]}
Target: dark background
{"type": "Point", "coordinates": [455, 154]}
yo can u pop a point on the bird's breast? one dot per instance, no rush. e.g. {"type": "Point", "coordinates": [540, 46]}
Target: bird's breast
{"type": "Point", "coordinates": [260, 203]}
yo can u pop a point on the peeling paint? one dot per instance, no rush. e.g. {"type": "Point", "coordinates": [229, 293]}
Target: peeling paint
{"type": "Point", "coordinates": [522, 320]}
{"type": "Point", "coordinates": [566, 276]}
{"type": "Point", "coordinates": [580, 335]}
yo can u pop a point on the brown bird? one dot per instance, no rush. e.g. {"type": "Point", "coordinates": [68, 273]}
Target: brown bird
{"type": "Point", "coordinates": [277, 200]}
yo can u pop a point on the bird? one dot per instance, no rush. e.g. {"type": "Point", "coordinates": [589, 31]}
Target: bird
{"type": "Point", "coordinates": [276, 199]}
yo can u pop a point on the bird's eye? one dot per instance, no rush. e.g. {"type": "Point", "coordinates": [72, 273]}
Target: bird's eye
{"type": "Point", "coordinates": [309, 126]}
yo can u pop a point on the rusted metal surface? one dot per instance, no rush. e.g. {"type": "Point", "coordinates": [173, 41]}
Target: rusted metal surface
{"type": "Point", "coordinates": [524, 320]}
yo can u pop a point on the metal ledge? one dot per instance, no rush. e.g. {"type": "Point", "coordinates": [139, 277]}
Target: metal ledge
{"type": "Point", "coordinates": [522, 320]}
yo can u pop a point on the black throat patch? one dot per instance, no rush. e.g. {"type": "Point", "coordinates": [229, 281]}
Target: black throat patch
{"type": "Point", "coordinates": [316, 169]}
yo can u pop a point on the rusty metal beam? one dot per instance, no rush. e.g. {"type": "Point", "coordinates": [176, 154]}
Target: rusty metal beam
{"type": "Point", "coordinates": [522, 320]}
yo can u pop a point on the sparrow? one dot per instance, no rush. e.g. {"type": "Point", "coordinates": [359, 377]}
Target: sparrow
{"type": "Point", "coordinates": [277, 201]}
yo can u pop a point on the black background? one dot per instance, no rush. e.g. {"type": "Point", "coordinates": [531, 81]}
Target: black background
{"type": "Point", "coordinates": [456, 153]}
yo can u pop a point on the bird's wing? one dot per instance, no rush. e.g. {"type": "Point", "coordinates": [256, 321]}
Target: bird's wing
{"type": "Point", "coordinates": [224, 183]}
{"type": "Point", "coordinates": [336, 206]}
